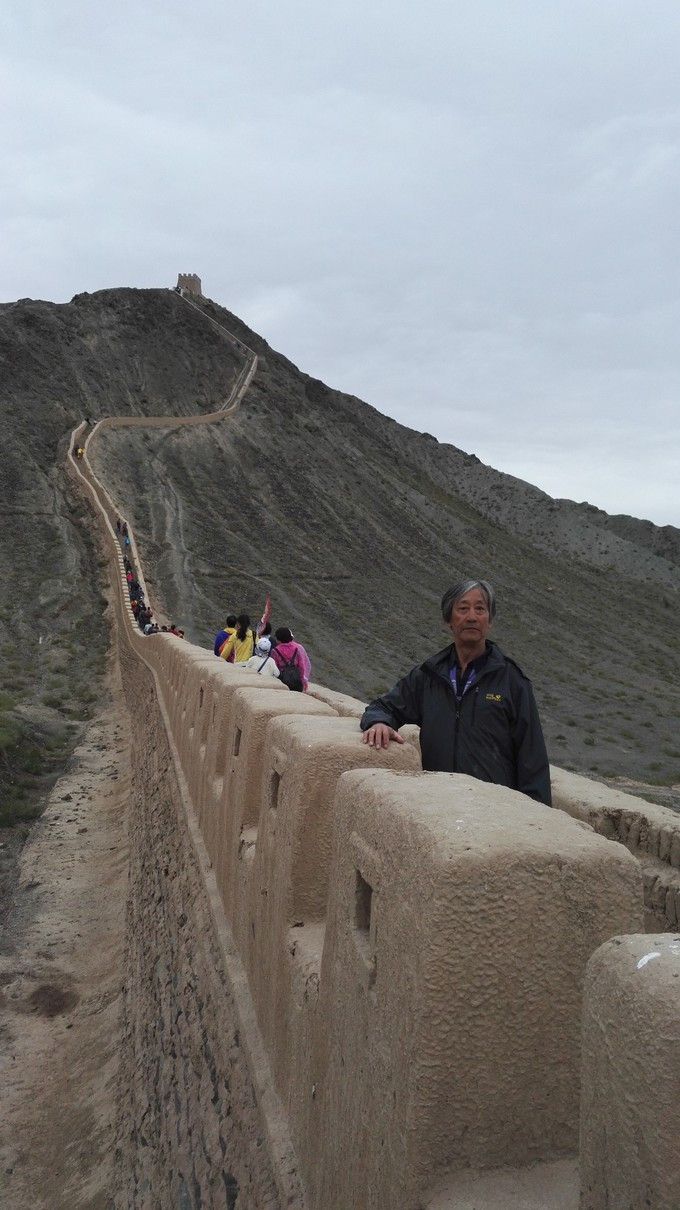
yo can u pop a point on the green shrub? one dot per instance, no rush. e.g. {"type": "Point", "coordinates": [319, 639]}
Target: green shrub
{"type": "Point", "coordinates": [9, 735]}
{"type": "Point", "coordinates": [84, 693]}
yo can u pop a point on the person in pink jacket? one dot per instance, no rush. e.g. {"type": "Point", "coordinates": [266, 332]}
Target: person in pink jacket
{"type": "Point", "coordinates": [292, 660]}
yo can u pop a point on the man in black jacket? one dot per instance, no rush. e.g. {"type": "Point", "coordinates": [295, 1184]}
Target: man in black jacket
{"type": "Point", "coordinates": [475, 707]}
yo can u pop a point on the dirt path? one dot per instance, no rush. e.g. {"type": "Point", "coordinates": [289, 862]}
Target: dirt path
{"type": "Point", "coordinates": [62, 940]}
{"type": "Point", "coordinates": [60, 977]}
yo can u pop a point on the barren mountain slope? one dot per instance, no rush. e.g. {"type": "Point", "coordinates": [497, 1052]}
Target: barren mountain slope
{"type": "Point", "coordinates": [354, 522]}
{"type": "Point", "coordinates": [110, 353]}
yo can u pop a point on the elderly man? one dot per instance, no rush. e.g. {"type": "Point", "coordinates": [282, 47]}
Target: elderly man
{"type": "Point", "coordinates": [475, 707]}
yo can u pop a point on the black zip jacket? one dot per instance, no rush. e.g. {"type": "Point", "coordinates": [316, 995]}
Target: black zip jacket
{"type": "Point", "coordinates": [493, 733]}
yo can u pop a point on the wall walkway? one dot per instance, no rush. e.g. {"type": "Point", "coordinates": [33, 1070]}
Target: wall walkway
{"type": "Point", "coordinates": [407, 952]}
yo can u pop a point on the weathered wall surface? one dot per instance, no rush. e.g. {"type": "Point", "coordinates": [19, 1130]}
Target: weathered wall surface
{"type": "Point", "coordinates": [385, 921]}
{"type": "Point", "coordinates": [190, 1132]}
{"type": "Point", "coordinates": [631, 1085]}
{"type": "Point", "coordinates": [405, 951]}
{"type": "Point", "coordinates": [460, 921]}
{"type": "Point", "coordinates": [649, 832]}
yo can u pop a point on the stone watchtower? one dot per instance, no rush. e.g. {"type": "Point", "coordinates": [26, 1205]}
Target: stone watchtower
{"type": "Point", "coordinates": [190, 282]}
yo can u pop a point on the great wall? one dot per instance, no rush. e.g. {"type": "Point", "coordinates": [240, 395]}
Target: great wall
{"type": "Point", "coordinates": [450, 997]}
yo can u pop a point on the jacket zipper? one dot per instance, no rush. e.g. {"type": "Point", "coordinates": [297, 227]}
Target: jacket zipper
{"type": "Point", "coordinates": [447, 681]}
{"type": "Point", "coordinates": [455, 736]}
{"type": "Point", "coordinates": [456, 706]}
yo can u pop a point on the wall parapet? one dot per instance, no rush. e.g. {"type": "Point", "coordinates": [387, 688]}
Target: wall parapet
{"type": "Point", "coordinates": [650, 832]}
{"type": "Point", "coordinates": [408, 950]}
{"type": "Point", "coordinates": [631, 1087]}
{"type": "Point", "coordinates": [385, 919]}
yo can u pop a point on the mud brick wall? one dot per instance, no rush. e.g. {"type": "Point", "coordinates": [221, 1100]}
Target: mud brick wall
{"type": "Point", "coordinates": [345, 887]}
{"type": "Point", "coordinates": [336, 951]}
{"type": "Point", "coordinates": [631, 1086]}
{"type": "Point", "coordinates": [460, 920]}
{"type": "Point", "coordinates": [189, 1133]}
{"type": "Point", "coordinates": [651, 833]}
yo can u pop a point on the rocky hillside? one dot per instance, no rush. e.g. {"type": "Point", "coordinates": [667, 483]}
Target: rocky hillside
{"type": "Point", "coordinates": [58, 364]}
{"type": "Point", "coordinates": [355, 524]}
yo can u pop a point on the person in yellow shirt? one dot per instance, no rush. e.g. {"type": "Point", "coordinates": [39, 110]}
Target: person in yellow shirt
{"type": "Point", "coordinates": [241, 642]}
{"type": "Point", "coordinates": [224, 634]}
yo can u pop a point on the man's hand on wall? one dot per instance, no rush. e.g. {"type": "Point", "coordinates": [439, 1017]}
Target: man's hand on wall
{"type": "Point", "coordinates": [379, 736]}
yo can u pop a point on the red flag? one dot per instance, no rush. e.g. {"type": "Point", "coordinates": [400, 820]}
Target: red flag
{"type": "Point", "coordinates": [265, 616]}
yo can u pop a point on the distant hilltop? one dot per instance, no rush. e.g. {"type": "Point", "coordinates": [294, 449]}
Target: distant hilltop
{"type": "Point", "coordinates": [353, 522]}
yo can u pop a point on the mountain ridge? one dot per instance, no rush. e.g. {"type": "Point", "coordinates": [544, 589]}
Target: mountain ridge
{"type": "Point", "coordinates": [355, 522]}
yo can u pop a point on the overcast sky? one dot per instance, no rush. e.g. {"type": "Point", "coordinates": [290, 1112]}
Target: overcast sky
{"type": "Point", "coordinates": [466, 213]}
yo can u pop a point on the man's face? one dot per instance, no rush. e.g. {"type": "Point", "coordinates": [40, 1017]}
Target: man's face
{"type": "Point", "coordinates": [470, 619]}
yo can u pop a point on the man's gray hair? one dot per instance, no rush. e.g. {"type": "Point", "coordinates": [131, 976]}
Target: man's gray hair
{"type": "Point", "coordinates": [459, 590]}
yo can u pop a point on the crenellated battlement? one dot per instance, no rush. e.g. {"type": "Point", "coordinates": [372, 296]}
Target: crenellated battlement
{"type": "Point", "coordinates": [414, 945]}
{"type": "Point", "coordinates": [414, 957]}
{"type": "Point", "coordinates": [190, 282]}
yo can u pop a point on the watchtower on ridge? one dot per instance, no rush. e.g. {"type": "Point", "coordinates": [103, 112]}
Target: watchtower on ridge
{"type": "Point", "coordinates": [190, 282]}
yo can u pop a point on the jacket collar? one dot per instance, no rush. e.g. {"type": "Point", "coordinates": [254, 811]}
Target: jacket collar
{"type": "Point", "coordinates": [439, 664]}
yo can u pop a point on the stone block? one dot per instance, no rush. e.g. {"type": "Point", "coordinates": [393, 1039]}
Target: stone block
{"type": "Point", "coordinates": [342, 703]}
{"type": "Point", "coordinates": [245, 789]}
{"type": "Point", "coordinates": [461, 918]}
{"type": "Point", "coordinates": [281, 934]}
{"type": "Point", "coordinates": [630, 1110]}
{"type": "Point", "coordinates": [212, 725]}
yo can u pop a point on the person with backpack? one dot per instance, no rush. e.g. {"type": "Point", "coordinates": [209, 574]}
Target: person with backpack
{"type": "Point", "coordinates": [241, 642]}
{"type": "Point", "coordinates": [292, 661]}
{"type": "Point", "coordinates": [262, 661]}
{"type": "Point", "coordinates": [222, 635]}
